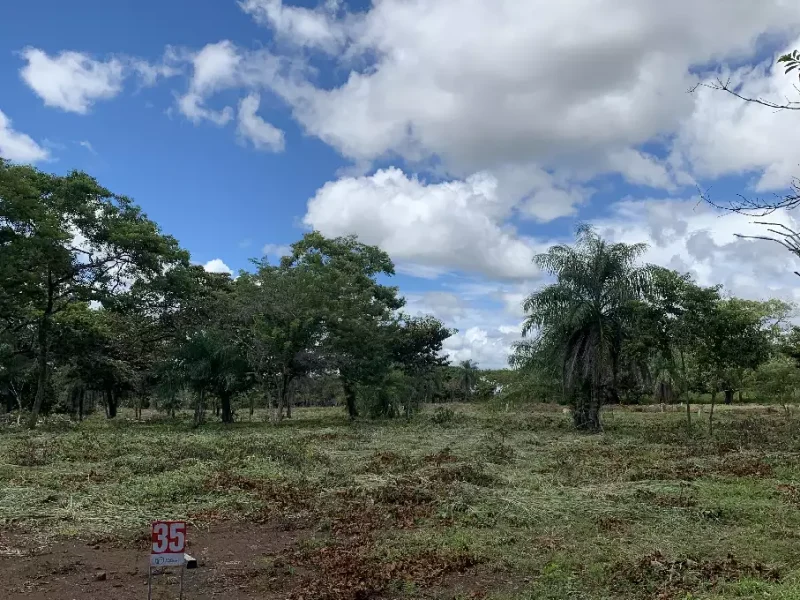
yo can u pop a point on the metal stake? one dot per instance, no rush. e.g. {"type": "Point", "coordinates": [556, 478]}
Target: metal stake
{"type": "Point", "coordinates": [149, 583]}
{"type": "Point", "coordinates": [183, 570]}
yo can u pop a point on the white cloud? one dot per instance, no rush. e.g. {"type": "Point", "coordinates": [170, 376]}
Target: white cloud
{"type": "Point", "coordinates": [276, 250]}
{"type": "Point", "coordinates": [691, 237]}
{"type": "Point", "coordinates": [451, 225]}
{"type": "Point", "coordinates": [222, 66]}
{"type": "Point", "coordinates": [263, 135]}
{"type": "Point", "coordinates": [490, 348]}
{"type": "Point", "coordinates": [300, 26]}
{"type": "Point", "coordinates": [151, 73]}
{"type": "Point", "coordinates": [641, 169]}
{"type": "Point", "coordinates": [724, 135]}
{"type": "Point", "coordinates": [191, 105]}
{"type": "Point", "coordinates": [214, 68]}
{"type": "Point", "coordinates": [446, 306]}
{"type": "Point", "coordinates": [217, 266]}
{"type": "Point", "coordinates": [485, 334]}
{"type": "Point", "coordinates": [71, 81]}
{"type": "Point", "coordinates": [482, 84]}
{"type": "Point", "coordinates": [17, 146]}
{"type": "Point", "coordinates": [88, 145]}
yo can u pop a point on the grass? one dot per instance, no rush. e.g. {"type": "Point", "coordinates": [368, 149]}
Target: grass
{"type": "Point", "coordinates": [514, 499]}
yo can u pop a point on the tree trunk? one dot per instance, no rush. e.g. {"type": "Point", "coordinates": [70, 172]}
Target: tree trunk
{"type": "Point", "coordinates": [111, 403]}
{"type": "Point", "coordinates": [350, 397]}
{"type": "Point", "coordinates": [595, 401]}
{"type": "Point", "coordinates": [199, 408]}
{"type": "Point", "coordinates": [18, 397]}
{"type": "Point", "coordinates": [81, 396]}
{"type": "Point", "coordinates": [580, 409]}
{"type": "Point", "coordinates": [289, 398]}
{"type": "Point", "coordinates": [728, 396]}
{"type": "Point", "coordinates": [41, 367]}
{"type": "Point", "coordinates": [688, 412]}
{"type": "Point", "coordinates": [740, 396]}
{"type": "Point", "coordinates": [252, 405]}
{"type": "Point", "coordinates": [227, 414]}
{"type": "Point", "coordinates": [711, 413]}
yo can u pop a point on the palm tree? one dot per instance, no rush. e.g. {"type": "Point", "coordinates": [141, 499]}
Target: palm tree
{"type": "Point", "coordinates": [579, 320]}
{"type": "Point", "coordinates": [469, 375]}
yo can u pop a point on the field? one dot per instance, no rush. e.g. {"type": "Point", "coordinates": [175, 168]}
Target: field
{"type": "Point", "coordinates": [460, 502]}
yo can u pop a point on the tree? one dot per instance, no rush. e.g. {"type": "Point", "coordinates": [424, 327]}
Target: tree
{"type": "Point", "coordinates": [732, 340]}
{"type": "Point", "coordinates": [469, 376]}
{"type": "Point", "coordinates": [66, 240]}
{"type": "Point", "coordinates": [579, 320]}
{"type": "Point", "coordinates": [356, 308]}
{"type": "Point", "coordinates": [778, 380]}
{"type": "Point", "coordinates": [210, 363]}
{"type": "Point", "coordinates": [416, 344]}
{"type": "Point", "coordinates": [282, 325]}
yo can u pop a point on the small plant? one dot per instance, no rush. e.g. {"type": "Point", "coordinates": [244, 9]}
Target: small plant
{"type": "Point", "coordinates": [495, 448]}
{"type": "Point", "coordinates": [443, 416]}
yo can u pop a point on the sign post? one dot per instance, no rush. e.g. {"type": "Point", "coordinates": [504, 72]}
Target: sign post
{"type": "Point", "coordinates": [168, 543]}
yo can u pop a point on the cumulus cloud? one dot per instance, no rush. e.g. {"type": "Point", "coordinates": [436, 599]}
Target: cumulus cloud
{"type": "Point", "coordinates": [217, 266]}
{"type": "Point", "coordinates": [71, 81]}
{"type": "Point", "coordinates": [214, 68]}
{"type": "Point", "coordinates": [17, 146]}
{"type": "Point", "coordinates": [490, 348]}
{"type": "Point", "coordinates": [315, 28]}
{"type": "Point", "coordinates": [219, 66]}
{"type": "Point", "coordinates": [724, 135]}
{"type": "Point", "coordinates": [692, 237]}
{"type": "Point", "coordinates": [512, 80]}
{"type": "Point", "coordinates": [252, 128]}
{"type": "Point", "coordinates": [454, 224]}
{"type": "Point", "coordinates": [485, 333]}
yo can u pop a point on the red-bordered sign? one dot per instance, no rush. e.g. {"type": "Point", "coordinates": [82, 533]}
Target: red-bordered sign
{"type": "Point", "coordinates": [168, 543]}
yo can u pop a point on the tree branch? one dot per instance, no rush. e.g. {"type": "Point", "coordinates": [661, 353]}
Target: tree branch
{"type": "Point", "coordinates": [725, 86]}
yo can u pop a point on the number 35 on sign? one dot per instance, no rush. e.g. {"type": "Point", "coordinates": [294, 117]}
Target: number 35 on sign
{"type": "Point", "coordinates": [169, 542]}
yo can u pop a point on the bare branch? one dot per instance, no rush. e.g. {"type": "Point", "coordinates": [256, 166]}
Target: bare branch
{"type": "Point", "coordinates": [757, 207]}
{"type": "Point", "coordinates": [725, 86]}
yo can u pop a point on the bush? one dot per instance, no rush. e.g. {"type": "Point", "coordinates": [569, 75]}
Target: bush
{"type": "Point", "coordinates": [443, 416]}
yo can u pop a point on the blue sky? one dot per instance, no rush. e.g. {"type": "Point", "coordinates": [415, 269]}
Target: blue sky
{"type": "Point", "coordinates": [463, 137]}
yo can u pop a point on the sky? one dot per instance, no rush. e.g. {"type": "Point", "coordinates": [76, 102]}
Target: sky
{"type": "Point", "coordinates": [461, 136]}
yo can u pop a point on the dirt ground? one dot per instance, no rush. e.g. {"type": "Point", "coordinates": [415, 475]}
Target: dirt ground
{"type": "Point", "coordinates": [237, 561]}
{"type": "Point", "coordinates": [234, 562]}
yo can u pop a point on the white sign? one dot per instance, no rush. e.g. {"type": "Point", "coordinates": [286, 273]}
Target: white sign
{"type": "Point", "coordinates": [168, 543]}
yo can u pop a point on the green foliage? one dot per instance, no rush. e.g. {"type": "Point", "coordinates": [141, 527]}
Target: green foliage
{"type": "Point", "coordinates": [67, 240]}
{"type": "Point", "coordinates": [579, 321]}
{"type": "Point", "coordinates": [95, 299]}
{"type": "Point", "coordinates": [791, 60]}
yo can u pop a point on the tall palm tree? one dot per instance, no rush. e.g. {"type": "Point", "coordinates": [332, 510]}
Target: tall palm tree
{"type": "Point", "coordinates": [579, 320]}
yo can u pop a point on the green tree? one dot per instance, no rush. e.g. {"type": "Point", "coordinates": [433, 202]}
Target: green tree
{"type": "Point", "coordinates": [469, 377]}
{"type": "Point", "coordinates": [416, 353]}
{"type": "Point", "coordinates": [281, 325]}
{"type": "Point", "coordinates": [732, 339]}
{"type": "Point", "coordinates": [778, 380]}
{"type": "Point", "coordinates": [580, 319]}
{"type": "Point", "coordinates": [66, 240]}
{"type": "Point", "coordinates": [209, 362]}
{"type": "Point", "coordinates": [357, 308]}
